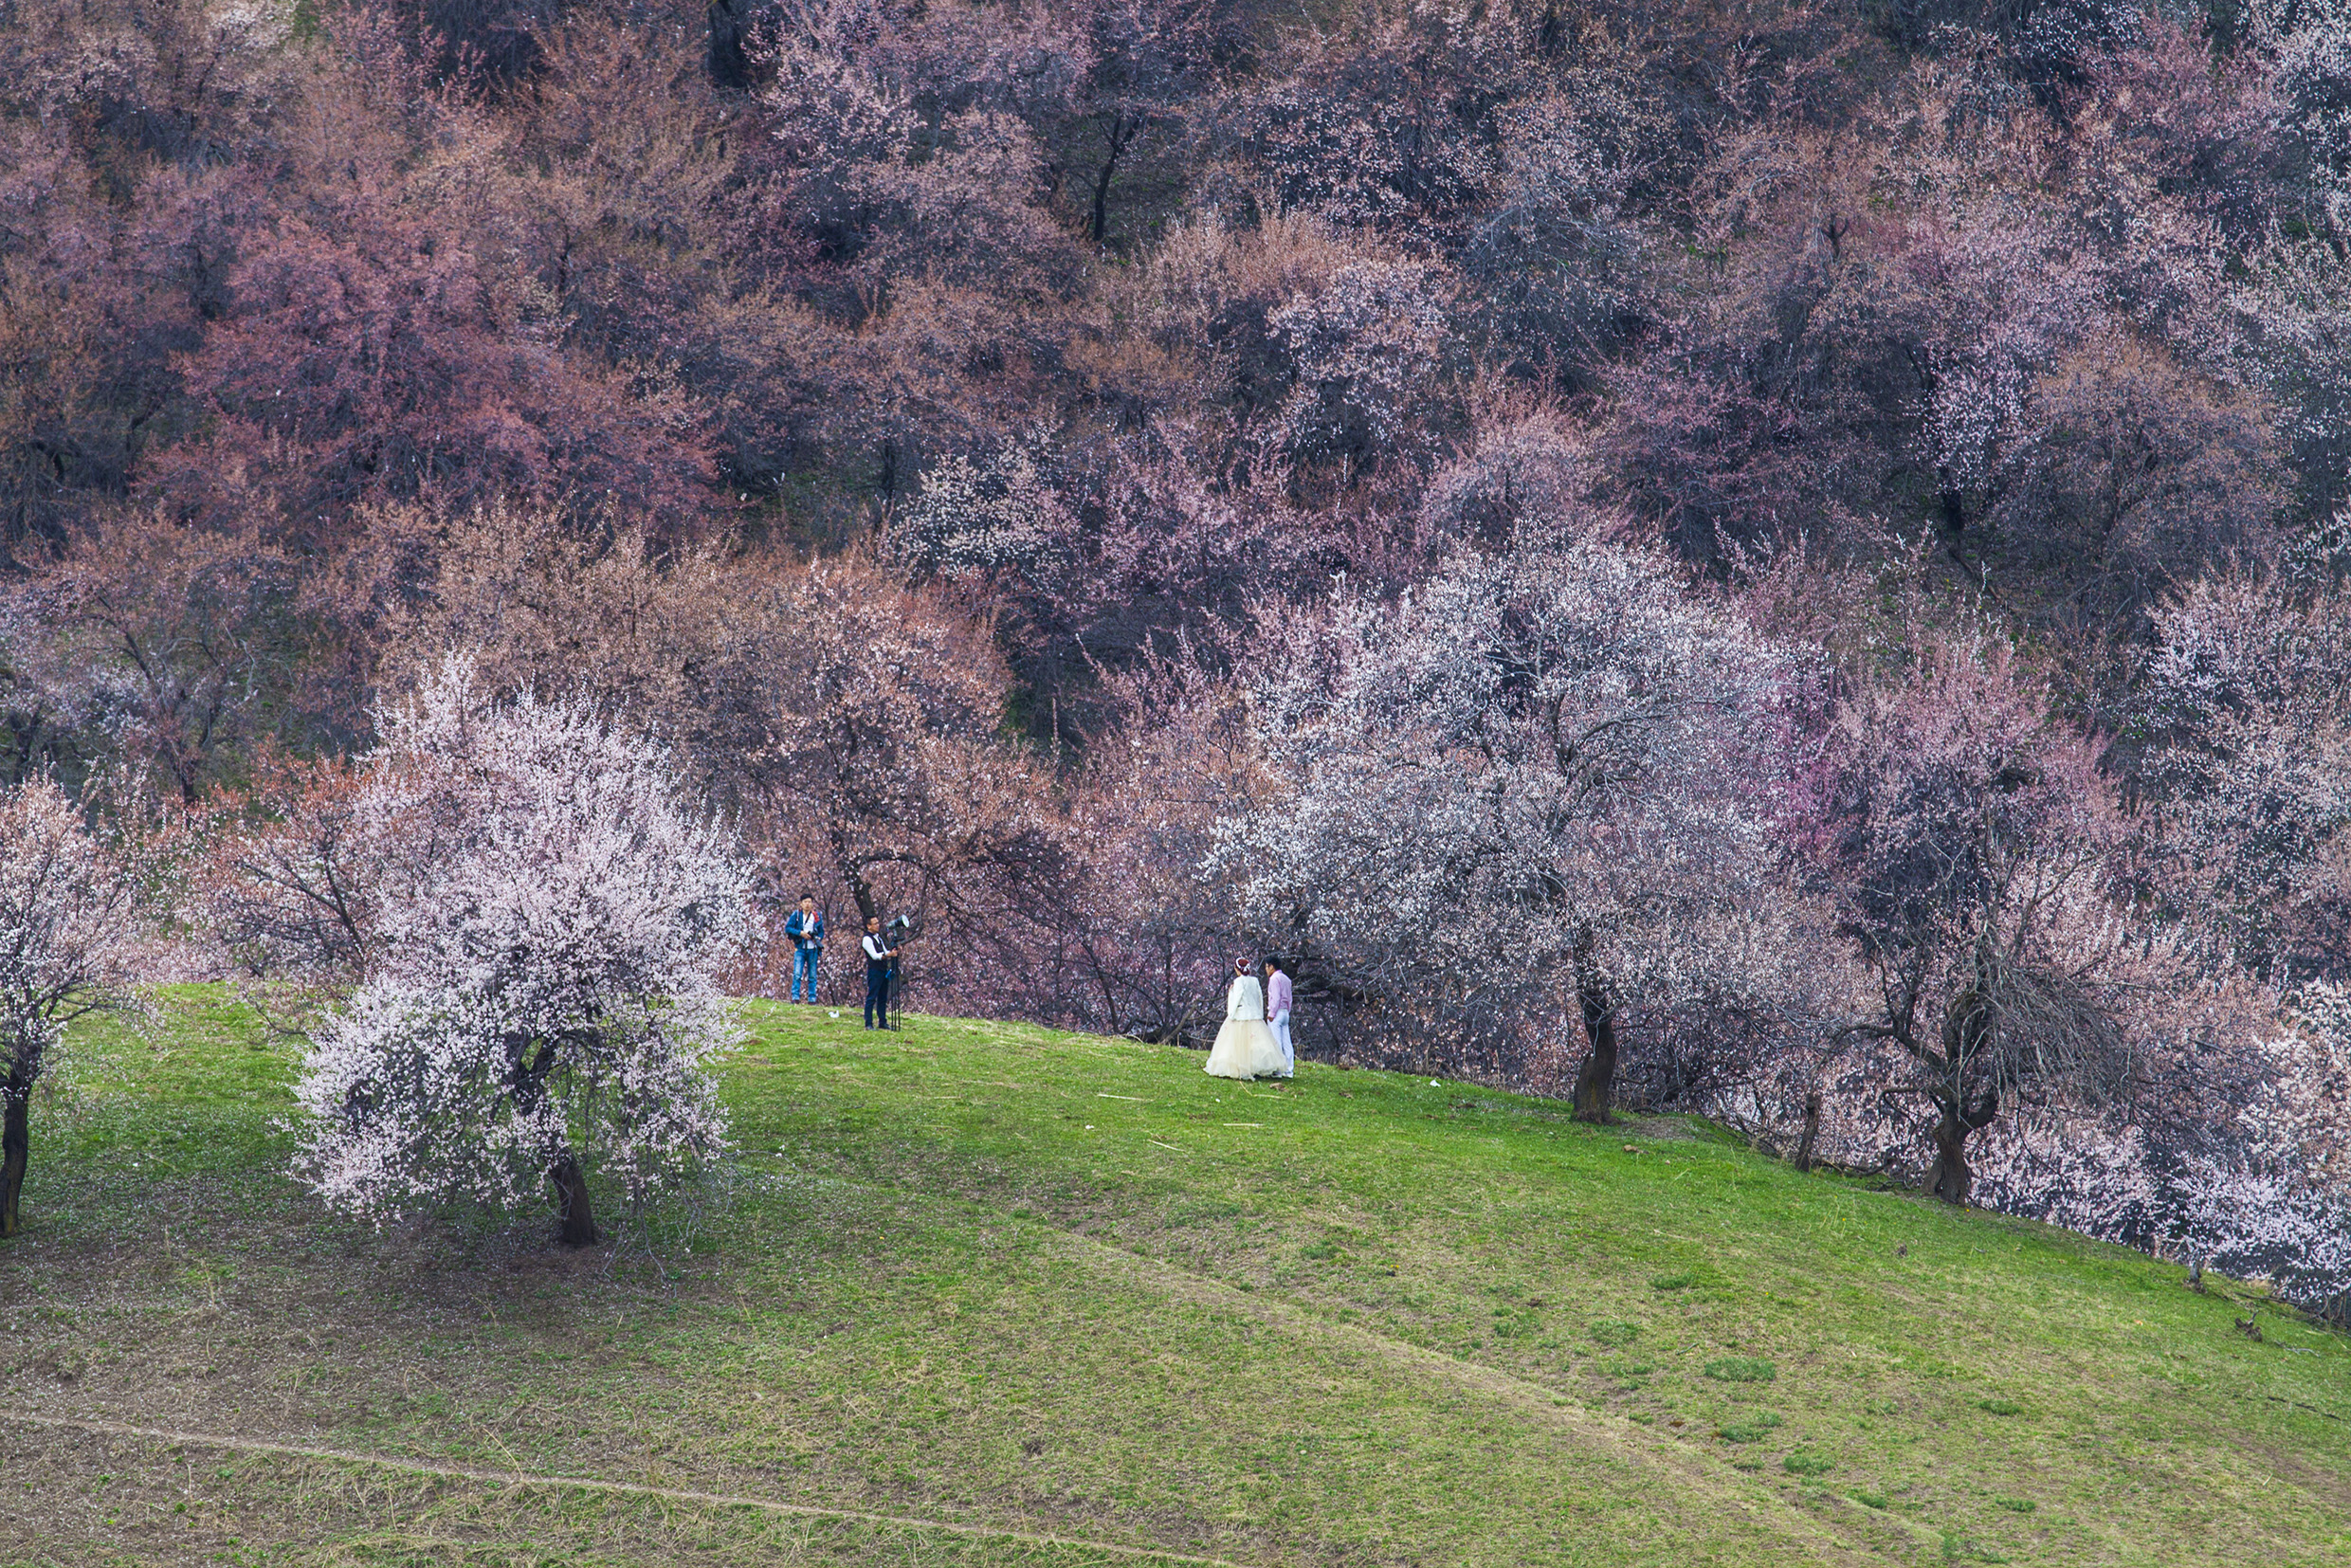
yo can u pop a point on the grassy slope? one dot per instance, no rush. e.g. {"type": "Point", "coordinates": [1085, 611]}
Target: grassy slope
{"type": "Point", "coordinates": [1012, 1279]}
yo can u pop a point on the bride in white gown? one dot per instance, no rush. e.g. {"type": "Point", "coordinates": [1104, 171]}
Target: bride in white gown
{"type": "Point", "coordinates": [1244, 1046]}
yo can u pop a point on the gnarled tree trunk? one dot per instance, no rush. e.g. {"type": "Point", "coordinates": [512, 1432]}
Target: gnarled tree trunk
{"type": "Point", "coordinates": [1596, 1081]}
{"type": "Point", "coordinates": [15, 1151]}
{"type": "Point", "coordinates": [575, 1220]}
{"type": "Point", "coordinates": [1948, 1177]}
{"type": "Point", "coordinates": [1966, 1028]}
{"type": "Point", "coordinates": [1812, 1133]}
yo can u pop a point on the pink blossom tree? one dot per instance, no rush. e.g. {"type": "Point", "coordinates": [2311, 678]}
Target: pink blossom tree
{"type": "Point", "coordinates": [2305, 1120]}
{"type": "Point", "coordinates": [1137, 941]}
{"type": "Point", "coordinates": [2247, 1220]}
{"type": "Point", "coordinates": [68, 930]}
{"type": "Point", "coordinates": [156, 635]}
{"type": "Point", "coordinates": [2279, 1202]}
{"type": "Point", "coordinates": [542, 999]}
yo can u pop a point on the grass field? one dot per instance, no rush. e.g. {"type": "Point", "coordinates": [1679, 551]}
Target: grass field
{"type": "Point", "coordinates": [985, 1294]}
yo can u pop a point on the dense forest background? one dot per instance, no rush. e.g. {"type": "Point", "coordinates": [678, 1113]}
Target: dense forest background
{"type": "Point", "coordinates": [1778, 558]}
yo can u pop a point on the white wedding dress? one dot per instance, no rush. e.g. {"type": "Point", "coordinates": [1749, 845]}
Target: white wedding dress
{"type": "Point", "coordinates": [1244, 1046]}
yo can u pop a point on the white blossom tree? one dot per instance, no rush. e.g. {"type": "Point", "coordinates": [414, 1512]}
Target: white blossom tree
{"type": "Point", "coordinates": [1362, 348]}
{"type": "Point", "coordinates": [2248, 1221]}
{"type": "Point", "coordinates": [67, 905]}
{"type": "Point", "coordinates": [1545, 780]}
{"type": "Point", "coordinates": [2305, 1120]}
{"type": "Point", "coordinates": [540, 999]}
{"type": "Point", "coordinates": [971, 521]}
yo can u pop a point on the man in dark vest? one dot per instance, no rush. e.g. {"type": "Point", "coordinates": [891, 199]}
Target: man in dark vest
{"type": "Point", "coordinates": [877, 959]}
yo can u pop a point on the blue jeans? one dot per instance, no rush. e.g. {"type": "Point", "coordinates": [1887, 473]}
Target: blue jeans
{"type": "Point", "coordinates": [804, 968]}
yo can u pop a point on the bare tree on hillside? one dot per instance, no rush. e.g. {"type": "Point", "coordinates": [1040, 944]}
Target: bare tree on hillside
{"type": "Point", "coordinates": [1979, 890]}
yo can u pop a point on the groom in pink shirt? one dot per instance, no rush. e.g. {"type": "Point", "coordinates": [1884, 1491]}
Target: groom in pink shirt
{"type": "Point", "coordinates": [1278, 1013]}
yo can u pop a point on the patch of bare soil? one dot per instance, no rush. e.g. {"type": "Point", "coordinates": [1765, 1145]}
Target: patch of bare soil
{"type": "Point", "coordinates": [1658, 1127]}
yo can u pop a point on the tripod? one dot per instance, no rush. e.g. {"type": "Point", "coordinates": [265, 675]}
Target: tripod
{"type": "Point", "coordinates": [896, 935]}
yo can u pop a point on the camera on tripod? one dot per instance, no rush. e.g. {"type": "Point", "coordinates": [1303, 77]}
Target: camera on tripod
{"type": "Point", "coordinates": [895, 933]}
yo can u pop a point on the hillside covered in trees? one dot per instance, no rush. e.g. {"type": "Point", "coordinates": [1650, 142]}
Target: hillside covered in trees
{"type": "Point", "coordinates": [1780, 560]}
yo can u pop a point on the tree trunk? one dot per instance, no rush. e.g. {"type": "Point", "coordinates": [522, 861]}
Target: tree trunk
{"type": "Point", "coordinates": [1966, 1029]}
{"type": "Point", "coordinates": [1116, 135]}
{"type": "Point", "coordinates": [16, 1151]}
{"type": "Point", "coordinates": [1949, 1178]}
{"type": "Point", "coordinates": [730, 61]}
{"type": "Point", "coordinates": [577, 1221]}
{"type": "Point", "coordinates": [1812, 1133]}
{"type": "Point", "coordinates": [1596, 1081]}
{"type": "Point", "coordinates": [853, 874]}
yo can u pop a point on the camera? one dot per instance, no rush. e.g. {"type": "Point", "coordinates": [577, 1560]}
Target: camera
{"type": "Point", "coordinates": [899, 926]}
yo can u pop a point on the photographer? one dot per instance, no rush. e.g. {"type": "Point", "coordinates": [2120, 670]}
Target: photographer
{"type": "Point", "coordinates": [805, 927]}
{"type": "Point", "coordinates": [880, 959]}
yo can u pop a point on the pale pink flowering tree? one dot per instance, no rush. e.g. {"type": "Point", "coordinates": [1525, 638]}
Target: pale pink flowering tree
{"type": "Point", "coordinates": [67, 934]}
{"type": "Point", "coordinates": [2308, 51]}
{"type": "Point", "coordinates": [1132, 938]}
{"type": "Point", "coordinates": [540, 1001]}
{"type": "Point", "coordinates": [2254, 1222]}
{"type": "Point", "coordinates": [2303, 1122]}
{"type": "Point", "coordinates": [909, 127]}
{"type": "Point", "coordinates": [2280, 1205]}
{"type": "Point", "coordinates": [2091, 1170]}
{"type": "Point", "coordinates": [1540, 788]}
{"type": "Point", "coordinates": [2244, 721]}
{"type": "Point", "coordinates": [2086, 1172]}
{"type": "Point", "coordinates": [1521, 464]}
{"type": "Point", "coordinates": [998, 518]}
{"type": "Point", "coordinates": [1381, 129]}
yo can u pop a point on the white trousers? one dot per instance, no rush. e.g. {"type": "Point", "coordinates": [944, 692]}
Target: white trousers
{"type": "Point", "coordinates": [1281, 1022]}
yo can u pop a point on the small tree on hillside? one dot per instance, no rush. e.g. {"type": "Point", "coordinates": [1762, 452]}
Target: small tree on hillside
{"type": "Point", "coordinates": [2276, 1200]}
{"type": "Point", "coordinates": [66, 908]}
{"type": "Point", "coordinates": [1140, 942]}
{"type": "Point", "coordinates": [1546, 779]}
{"type": "Point", "coordinates": [291, 891]}
{"type": "Point", "coordinates": [1980, 853]}
{"type": "Point", "coordinates": [2299, 1124]}
{"type": "Point", "coordinates": [540, 999]}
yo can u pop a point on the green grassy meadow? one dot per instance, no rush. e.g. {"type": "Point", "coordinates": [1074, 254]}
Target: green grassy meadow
{"type": "Point", "coordinates": [989, 1294]}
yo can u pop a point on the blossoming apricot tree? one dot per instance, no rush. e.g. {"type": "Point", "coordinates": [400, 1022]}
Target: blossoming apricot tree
{"type": "Point", "coordinates": [66, 907]}
{"type": "Point", "coordinates": [1544, 774]}
{"type": "Point", "coordinates": [540, 1000]}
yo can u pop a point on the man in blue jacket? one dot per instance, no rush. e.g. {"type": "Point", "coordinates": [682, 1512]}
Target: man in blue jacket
{"type": "Point", "coordinates": [805, 928]}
